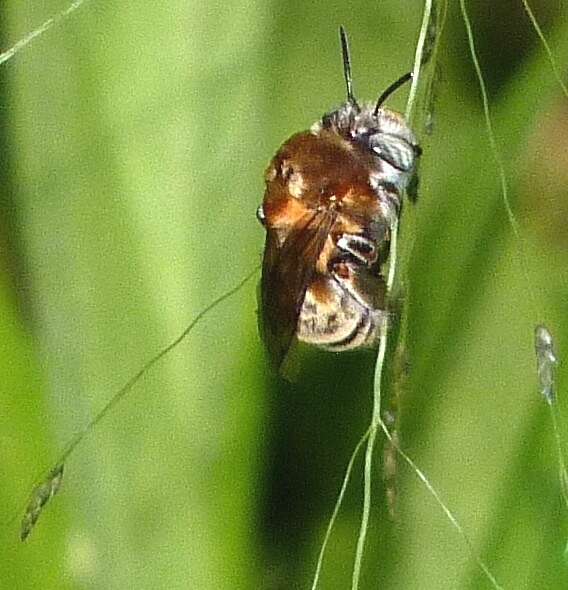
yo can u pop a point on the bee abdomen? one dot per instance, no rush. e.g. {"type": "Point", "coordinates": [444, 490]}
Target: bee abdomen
{"type": "Point", "coordinates": [331, 318]}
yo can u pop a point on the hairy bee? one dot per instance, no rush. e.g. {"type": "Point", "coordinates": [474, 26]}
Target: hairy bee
{"type": "Point", "coordinates": [332, 195]}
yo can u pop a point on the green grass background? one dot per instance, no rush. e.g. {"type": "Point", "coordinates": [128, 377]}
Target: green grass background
{"type": "Point", "coordinates": [133, 140]}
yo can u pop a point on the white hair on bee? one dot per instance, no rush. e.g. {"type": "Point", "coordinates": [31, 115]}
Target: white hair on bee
{"type": "Point", "coordinates": [385, 133]}
{"type": "Point", "coordinates": [296, 185]}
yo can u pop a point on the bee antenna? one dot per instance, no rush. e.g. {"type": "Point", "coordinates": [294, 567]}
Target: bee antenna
{"type": "Point", "coordinates": [391, 90]}
{"type": "Point", "coordinates": [347, 66]}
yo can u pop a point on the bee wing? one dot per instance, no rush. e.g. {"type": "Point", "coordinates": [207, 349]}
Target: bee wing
{"type": "Point", "coordinates": [287, 270]}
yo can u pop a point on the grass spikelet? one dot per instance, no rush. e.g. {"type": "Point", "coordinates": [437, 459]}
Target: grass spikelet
{"type": "Point", "coordinates": [39, 498]}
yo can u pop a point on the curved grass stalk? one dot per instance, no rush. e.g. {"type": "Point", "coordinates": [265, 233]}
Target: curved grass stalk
{"type": "Point", "coordinates": [513, 222]}
{"type": "Point", "coordinates": [379, 367]}
{"type": "Point", "coordinates": [43, 28]}
{"type": "Point", "coordinates": [337, 507]}
{"type": "Point", "coordinates": [371, 433]}
{"type": "Point", "coordinates": [449, 514]}
{"type": "Point", "coordinates": [418, 59]}
{"type": "Point", "coordinates": [27, 523]}
{"type": "Point", "coordinates": [515, 226]}
{"type": "Point", "coordinates": [547, 49]}
{"type": "Point", "coordinates": [375, 421]}
{"type": "Point", "coordinates": [489, 123]}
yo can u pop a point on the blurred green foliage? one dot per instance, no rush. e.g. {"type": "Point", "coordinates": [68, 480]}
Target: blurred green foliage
{"type": "Point", "coordinates": [134, 137]}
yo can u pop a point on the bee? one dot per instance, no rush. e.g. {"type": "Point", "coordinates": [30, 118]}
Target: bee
{"type": "Point", "coordinates": [333, 194]}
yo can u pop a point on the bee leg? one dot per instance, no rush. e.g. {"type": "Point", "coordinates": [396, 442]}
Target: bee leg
{"type": "Point", "coordinates": [361, 247]}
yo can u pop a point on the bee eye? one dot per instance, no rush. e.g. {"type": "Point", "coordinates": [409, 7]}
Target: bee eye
{"type": "Point", "coordinates": [394, 150]}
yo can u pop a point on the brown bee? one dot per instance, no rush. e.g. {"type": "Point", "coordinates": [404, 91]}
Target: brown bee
{"type": "Point", "coordinates": [333, 193]}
